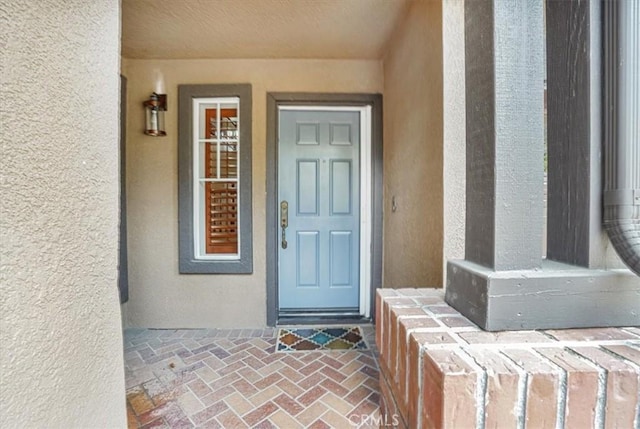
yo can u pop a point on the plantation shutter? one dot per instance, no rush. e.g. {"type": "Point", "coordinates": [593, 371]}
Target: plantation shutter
{"type": "Point", "coordinates": [221, 196]}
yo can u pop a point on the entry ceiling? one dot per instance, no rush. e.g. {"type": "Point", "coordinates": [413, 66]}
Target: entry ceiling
{"type": "Point", "coordinates": [322, 29]}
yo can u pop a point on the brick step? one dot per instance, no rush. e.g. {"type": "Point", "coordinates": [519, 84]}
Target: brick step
{"type": "Point", "coordinates": [439, 370]}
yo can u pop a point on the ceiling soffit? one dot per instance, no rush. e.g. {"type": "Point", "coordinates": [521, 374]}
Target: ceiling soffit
{"type": "Point", "coordinates": [320, 29]}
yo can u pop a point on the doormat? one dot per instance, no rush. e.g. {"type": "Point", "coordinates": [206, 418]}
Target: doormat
{"type": "Point", "coordinates": [306, 339]}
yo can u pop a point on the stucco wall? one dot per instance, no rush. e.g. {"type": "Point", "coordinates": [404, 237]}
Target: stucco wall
{"type": "Point", "coordinates": [454, 131]}
{"type": "Point", "coordinates": [413, 156]}
{"type": "Point", "coordinates": [159, 295]}
{"type": "Point", "coordinates": [60, 335]}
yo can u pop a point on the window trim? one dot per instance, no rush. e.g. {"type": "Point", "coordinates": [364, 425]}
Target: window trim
{"type": "Point", "coordinates": [188, 263]}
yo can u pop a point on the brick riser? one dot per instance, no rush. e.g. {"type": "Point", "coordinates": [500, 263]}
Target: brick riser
{"type": "Point", "coordinates": [438, 370]}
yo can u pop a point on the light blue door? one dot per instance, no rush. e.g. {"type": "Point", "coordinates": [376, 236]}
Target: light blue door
{"type": "Point", "coordinates": [319, 202]}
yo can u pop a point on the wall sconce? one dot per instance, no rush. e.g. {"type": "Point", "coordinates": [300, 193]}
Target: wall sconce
{"type": "Point", "coordinates": [154, 108]}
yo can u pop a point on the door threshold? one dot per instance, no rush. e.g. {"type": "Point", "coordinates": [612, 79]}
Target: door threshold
{"type": "Point", "coordinates": [319, 319]}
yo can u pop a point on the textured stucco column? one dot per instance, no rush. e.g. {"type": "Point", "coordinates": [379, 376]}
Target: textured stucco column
{"type": "Point", "coordinates": [61, 357]}
{"type": "Point", "coordinates": [503, 282]}
{"type": "Point", "coordinates": [454, 135]}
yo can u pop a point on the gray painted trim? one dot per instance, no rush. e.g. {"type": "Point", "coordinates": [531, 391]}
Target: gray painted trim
{"type": "Point", "coordinates": [300, 99]}
{"type": "Point", "coordinates": [187, 262]}
{"type": "Point", "coordinates": [123, 258]}
{"type": "Point", "coordinates": [559, 296]}
{"type": "Point", "coordinates": [569, 117]}
{"type": "Point", "coordinates": [480, 136]}
{"type": "Point", "coordinates": [598, 242]}
{"type": "Point", "coordinates": [505, 133]}
{"type": "Point", "coordinates": [271, 207]}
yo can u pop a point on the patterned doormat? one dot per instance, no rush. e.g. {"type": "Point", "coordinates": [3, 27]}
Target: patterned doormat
{"type": "Point", "coordinates": [305, 339]}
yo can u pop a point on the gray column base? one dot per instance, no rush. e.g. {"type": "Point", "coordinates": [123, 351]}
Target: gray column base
{"type": "Point", "coordinates": [558, 296]}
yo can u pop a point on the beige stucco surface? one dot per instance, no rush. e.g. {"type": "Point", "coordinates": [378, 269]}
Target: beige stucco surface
{"type": "Point", "coordinates": [60, 336]}
{"type": "Point", "coordinates": [454, 131]}
{"type": "Point", "coordinates": [159, 295]}
{"type": "Point", "coordinates": [413, 150]}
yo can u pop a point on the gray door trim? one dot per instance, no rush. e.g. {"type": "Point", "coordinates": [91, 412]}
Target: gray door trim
{"type": "Point", "coordinates": [123, 264]}
{"type": "Point", "coordinates": [274, 100]}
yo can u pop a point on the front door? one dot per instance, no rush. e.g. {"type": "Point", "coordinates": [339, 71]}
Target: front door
{"type": "Point", "coordinates": [319, 203]}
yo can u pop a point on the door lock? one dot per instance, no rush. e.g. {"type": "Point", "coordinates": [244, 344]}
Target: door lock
{"type": "Point", "coordinates": [284, 221]}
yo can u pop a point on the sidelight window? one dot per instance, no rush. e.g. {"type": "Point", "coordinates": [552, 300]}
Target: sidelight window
{"type": "Point", "coordinates": [215, 178]}
{"type": "Point", "coordinates": [216, 207]}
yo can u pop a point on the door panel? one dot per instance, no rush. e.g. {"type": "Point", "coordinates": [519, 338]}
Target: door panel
{"type": "Point", "coordinates": [341, 242]}
{"type": "Point", "coordinates": [307, 182]}
{"type": "Point", "coordinates": [340, 198]}
{"type": "Point", "coordinates": [319, 177]}
{"type": "Point", "coordinates": [307, 258]}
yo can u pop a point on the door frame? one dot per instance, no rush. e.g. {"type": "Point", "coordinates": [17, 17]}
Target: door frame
{"type": "Point", "coordinates": [373, 189]}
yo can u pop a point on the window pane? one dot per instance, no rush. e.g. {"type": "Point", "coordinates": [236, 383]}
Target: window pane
{"type": "Point", "coordinates": [229, 121]}
{"type": "Point", "coordinates": [220, 217]}
{"type": "Point", "coordinates": [228, 160]}
{"type": "Point", "coordinates": [207, 118]}
{"type": "Point", "coordinates": [207, 160]}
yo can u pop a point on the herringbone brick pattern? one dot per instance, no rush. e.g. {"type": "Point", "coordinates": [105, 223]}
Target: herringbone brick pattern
{"type": "Point", "coordinates": [235, 379]}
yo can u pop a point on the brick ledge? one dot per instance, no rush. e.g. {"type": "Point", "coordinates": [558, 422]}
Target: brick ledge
{"type": "Point", "coordinates": [443, 371]}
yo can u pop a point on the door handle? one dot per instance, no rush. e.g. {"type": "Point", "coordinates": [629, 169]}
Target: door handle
{"type": "Point", "coordinates": [284, 221]}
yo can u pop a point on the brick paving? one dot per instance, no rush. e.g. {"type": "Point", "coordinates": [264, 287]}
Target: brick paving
{"type": "Point", "coordinates": [222, 378]}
